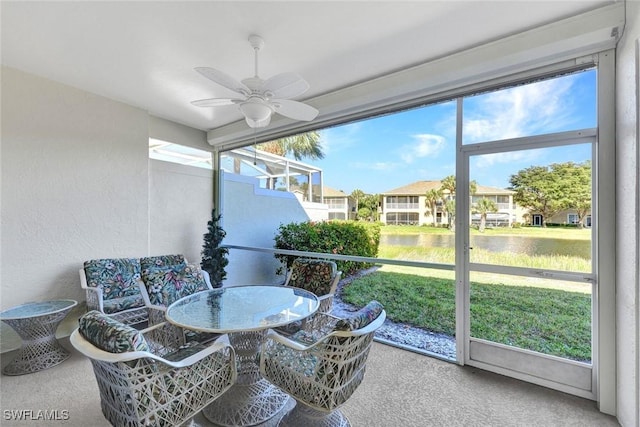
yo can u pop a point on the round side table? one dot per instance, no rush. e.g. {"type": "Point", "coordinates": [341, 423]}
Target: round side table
{"type": "Point", "coordinates": [36, 323]}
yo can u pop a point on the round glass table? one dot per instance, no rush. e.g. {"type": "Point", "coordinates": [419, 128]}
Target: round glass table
{"type": "Point", "coordinates": [36, 323]}
{"type": "Point", "coordinates": [245, 313]}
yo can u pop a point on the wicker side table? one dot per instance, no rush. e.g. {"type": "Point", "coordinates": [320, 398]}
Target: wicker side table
{"type": "Point", "coordinates": [36, 323]}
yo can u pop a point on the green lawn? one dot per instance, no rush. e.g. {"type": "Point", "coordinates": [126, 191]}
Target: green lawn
{"type": "Point", "coordinates": [549, 232]}
{"type": "Point", "coordinates": [447, 256]}
{"type": "Point", "coordinates": [550, 321]}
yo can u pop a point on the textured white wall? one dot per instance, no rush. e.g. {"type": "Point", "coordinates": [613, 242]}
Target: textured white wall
{"type": "Point", "coordinates": [627, 220]}
{"type": "Point", "coordinates": [74, 185]}
{"type": "Point", "coordinates": [166, 130]}
{"type": "Point", "coordinates": [251, 217]}
{"type": "Point", "coordinates": [180, 202]}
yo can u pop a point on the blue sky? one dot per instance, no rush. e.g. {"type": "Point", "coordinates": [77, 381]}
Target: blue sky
{"type": "Point", "coordinates": [387, 152]}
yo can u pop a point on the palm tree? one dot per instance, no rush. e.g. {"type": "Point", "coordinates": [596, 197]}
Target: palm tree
{"type": "Point", "coordinates": [450, 209]}
{"type": "Point", "coordinates": [432, 197]}
{"type": "Point", "coordinates": [356, 195]}
{"type": "Point", "coordinates": [483, 207]}
{"type": "Point", "coordinates": [449, 184]}
{"type": "Point", "coordinates": [304, 145]}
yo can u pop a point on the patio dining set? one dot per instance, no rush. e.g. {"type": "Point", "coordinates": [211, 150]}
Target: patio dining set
{"type": "Point", "coordinates": [165, 345]}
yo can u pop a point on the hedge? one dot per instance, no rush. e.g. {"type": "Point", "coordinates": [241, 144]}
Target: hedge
{"type": "Point", "coordinates": [333, 237]}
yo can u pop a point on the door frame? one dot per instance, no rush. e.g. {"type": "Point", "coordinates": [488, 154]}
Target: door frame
{"type": "Point", "coordinates": [603, 243]}
{"type": "Point", "coordinates": [566, 375]}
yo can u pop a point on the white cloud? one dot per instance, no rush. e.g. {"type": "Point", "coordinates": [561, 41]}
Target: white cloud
{"type": "Point", "coordinates": [339, 138]}
{"type": "Point", "coordinates": [530, 109]}
{"type": "Point", "coordinates": [489, 160]}
{"type": "Point", "coordinates": [377, 166]}
{"type": "Point", "coordinates": [427, 145]}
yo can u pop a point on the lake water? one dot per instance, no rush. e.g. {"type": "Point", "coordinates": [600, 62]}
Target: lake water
{"type": "Point", "coordinates": [515, 244]}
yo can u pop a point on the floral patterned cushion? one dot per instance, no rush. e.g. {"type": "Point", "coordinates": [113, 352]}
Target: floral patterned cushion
{"type": "Point", "coordinates": [153, 263]}
{"type": "Point", "coordinates": [307, 337]}
{"type": "Point", "coordinates": [118, 278]}
{"type": "Point", "coordinates": [303, 362]}
{"type": "Point", "coordinates": [185, 351]}
{"type": "Point", "coordinates": [110, 335]}
{"type": "Point", "coordinates": [360, 318]}
{"type": "Point", "coordinates": [117, 305]}
{"type": "Point", "coordinates": [168, 285]}
{"type": "Point", "coordinates": [314, 275]}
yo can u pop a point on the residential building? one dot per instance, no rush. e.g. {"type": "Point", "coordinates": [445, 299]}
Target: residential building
{"type": "Point", "coordinates": [409, 205]}
{"type": "Point", "coordinates": [563, 217]}
{"type": "Point", "coordinates": [338, 203]}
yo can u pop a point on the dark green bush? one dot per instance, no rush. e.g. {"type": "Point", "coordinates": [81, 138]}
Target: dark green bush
{"type": "Point", "coordinates": [214, 257]}
{"type": "Point", "coordinates": [333, 237]}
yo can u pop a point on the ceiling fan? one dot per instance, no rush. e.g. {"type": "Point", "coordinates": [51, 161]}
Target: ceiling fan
{"type": "Point", "coordinates": [258, 99]}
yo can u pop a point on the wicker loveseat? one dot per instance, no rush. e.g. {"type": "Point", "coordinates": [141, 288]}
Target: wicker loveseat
{"type": "Point", "coordinates": [118, 286]}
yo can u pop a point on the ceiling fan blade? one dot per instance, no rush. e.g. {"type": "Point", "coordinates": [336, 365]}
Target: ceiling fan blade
{"type": "Point", "coordinates": [223, 79]}
{"type": "Point", "coordinates": [295, 110]}
{"type": "Point", "coordinates": [285, 85]}
{"type": "Point", "coordinates": [215, 102]}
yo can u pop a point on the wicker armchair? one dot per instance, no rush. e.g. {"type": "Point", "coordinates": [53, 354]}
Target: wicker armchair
{"type": "Point", "coordinates": [148, 377]}
{"type": "Point", "coordinates": [321, 365]}
{"type": "Point", "coordinates": [318, 276]}
{"type": "Point", "coordinates": [162, 285]}
{"type": "Point", "coordinates": [112, 286]}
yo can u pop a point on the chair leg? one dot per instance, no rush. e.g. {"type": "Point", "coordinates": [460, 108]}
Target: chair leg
{"type": "Point", "coordinates": [191, 422]}
{"type": "Point", "coordinates": [303, 415]}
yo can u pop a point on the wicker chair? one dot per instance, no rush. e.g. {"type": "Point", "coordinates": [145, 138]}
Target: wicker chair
{"type": "Point", "coordinates": [162, 285]}
{"type": "Point", "coordinates": [318, 276]}
{"type": "Point", "coordinates": [112, 286]}
{"type": "Point", "coordinates": [321, 365]}
{"type": "Point", "coordinates": [149, 378]}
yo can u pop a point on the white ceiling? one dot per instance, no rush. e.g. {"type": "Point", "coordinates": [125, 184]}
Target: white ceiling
{"type": "Point", "coordinates": [143, 53]}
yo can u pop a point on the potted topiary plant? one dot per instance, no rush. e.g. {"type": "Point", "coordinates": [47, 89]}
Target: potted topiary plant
{"type": "Point", "coordinates": [214, 257]}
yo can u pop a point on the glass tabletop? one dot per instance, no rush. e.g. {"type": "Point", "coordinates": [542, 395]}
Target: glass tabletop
{"type": "Point", "coordinates": [242, 308]}
{"type": "Point", "coordinates": [34, 309]}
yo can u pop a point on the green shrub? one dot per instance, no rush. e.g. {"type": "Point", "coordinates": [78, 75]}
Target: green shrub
{"type": "Point", "coordinates": [333, 237]}
{"type": "Point", "coordinates": [214, 257]}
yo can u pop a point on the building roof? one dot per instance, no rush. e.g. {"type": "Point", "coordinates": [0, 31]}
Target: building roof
{"type": "Point", "coordinates": [483, 189]}
{"type": "Point", "coordinates": [421, 187]}
{"type": "Point", "coordinates": [330, 192]}
{"type": "Point", "coordinates": [418, 187]}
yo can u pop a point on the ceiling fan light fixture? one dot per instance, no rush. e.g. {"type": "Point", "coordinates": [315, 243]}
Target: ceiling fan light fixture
{"type": "Point", "coordinates": [256, 113]}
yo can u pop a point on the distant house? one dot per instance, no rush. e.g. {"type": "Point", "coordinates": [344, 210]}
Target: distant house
{"type": "Point", "coordinates": [337, 201]}
{"type": "Point", "coordinates": [564, 217]}
{"type": "Point", "coordinates": [407, 205]}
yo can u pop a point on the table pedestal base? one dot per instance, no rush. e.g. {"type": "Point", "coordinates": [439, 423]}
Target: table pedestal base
{"type": "Point", "coordinates": [247, 405]}
{"type": "Point", "coordinates": [252, 400]}
{"type": "Point", "coordinates": [36, 356]}
{"type": "Point", "coordinates": [40, 348]}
